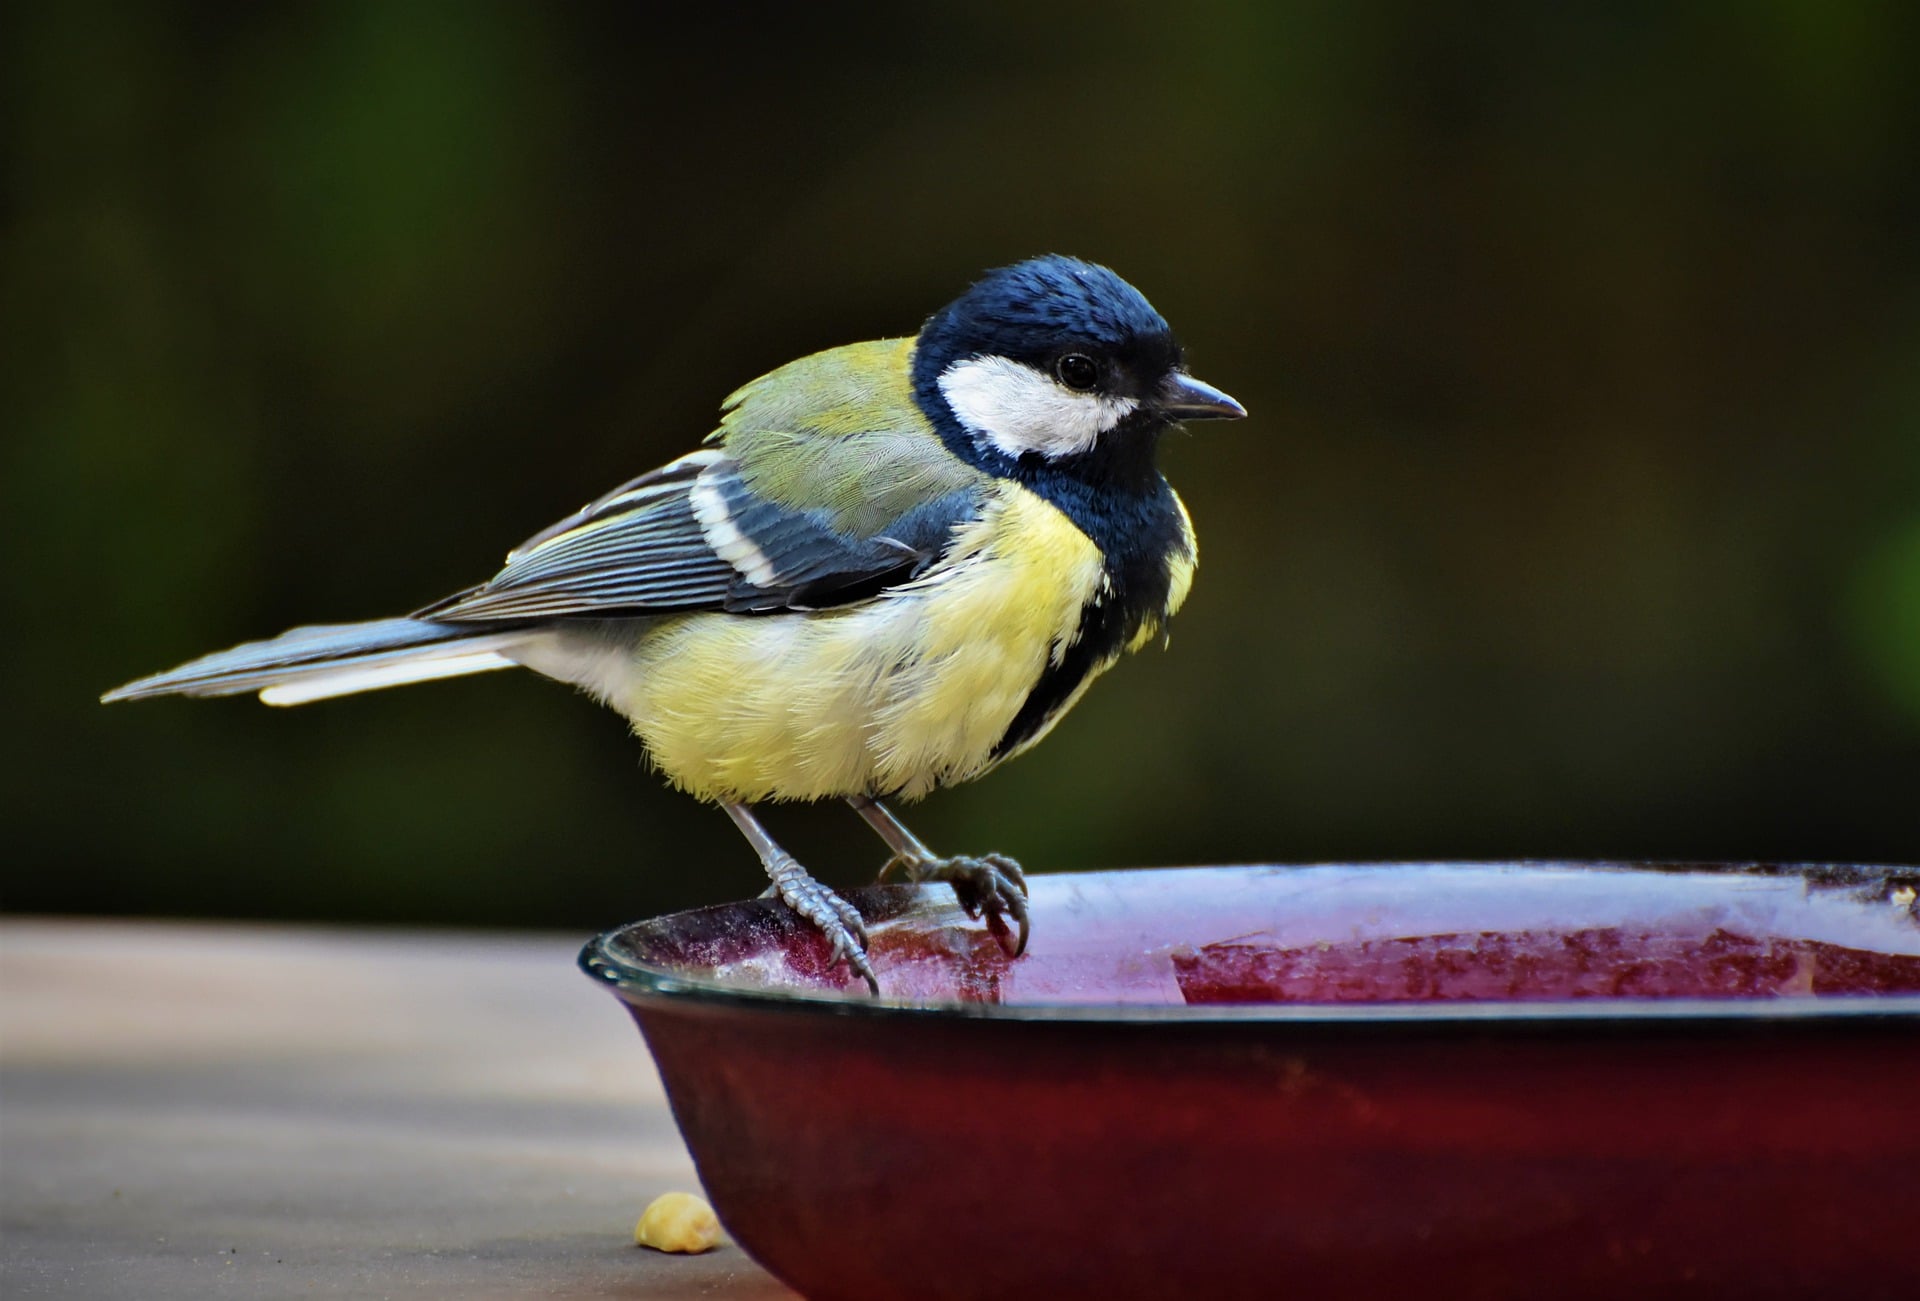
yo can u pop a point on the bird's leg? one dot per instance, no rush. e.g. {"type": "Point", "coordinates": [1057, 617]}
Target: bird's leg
{"type": "Point", "coordinates": [826, 911]}
{"type": "Point", "coordinates": [992, 883]}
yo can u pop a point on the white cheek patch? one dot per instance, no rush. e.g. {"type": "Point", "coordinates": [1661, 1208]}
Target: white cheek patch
{"type": "Point", "coordinates": [1019, 409]}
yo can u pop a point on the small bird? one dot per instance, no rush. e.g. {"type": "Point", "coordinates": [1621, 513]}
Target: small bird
{"type": "Point", "coordinates": [894, 566]}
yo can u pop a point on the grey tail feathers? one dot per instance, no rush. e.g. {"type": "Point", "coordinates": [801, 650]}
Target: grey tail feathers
{"type": "Point", "coordinates": [338, 659]}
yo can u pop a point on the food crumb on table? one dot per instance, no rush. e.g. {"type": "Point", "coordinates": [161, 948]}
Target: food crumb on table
{"type": "Point", "coordinates": [678, 1222]}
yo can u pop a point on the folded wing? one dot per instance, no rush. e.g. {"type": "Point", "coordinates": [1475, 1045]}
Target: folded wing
{"type": "Point", "coordinates": [823, 485]}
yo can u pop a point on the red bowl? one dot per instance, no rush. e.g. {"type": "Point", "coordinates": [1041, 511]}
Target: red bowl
{"type": "Point", "coordinates": [1498, 1080]}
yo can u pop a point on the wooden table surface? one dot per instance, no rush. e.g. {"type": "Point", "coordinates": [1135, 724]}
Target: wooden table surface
{"type": "Point", "coordinates": [244, 1111]}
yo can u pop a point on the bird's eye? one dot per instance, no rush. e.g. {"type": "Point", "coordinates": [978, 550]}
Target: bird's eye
{"type": "Point", "coordinates": [1077, 371]}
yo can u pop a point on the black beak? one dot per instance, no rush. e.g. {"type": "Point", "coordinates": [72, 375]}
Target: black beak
{"type": "Point", "coordinates": [1182, 397]}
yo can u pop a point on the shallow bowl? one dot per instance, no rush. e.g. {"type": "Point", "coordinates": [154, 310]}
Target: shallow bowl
{"type": "Point", "coordinates": [1419, 1080]}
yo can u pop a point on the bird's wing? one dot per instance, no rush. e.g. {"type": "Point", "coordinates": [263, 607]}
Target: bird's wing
{"type": "Point", "coordinates": [823, 485]}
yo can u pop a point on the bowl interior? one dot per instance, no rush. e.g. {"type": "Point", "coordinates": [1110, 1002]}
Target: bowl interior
{"type": "Point", "coordinates": [1400, 935]}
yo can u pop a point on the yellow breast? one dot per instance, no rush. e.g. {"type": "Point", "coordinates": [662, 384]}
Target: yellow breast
{"type": "Point", "coordinates": [897, 695]}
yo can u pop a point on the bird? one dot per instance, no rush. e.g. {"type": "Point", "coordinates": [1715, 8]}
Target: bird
{"type": "Point", "coordinates": [892, 567]}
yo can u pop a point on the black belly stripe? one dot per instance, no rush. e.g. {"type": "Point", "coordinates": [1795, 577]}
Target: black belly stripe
{"type": "Point", "coordinates": [1114, 494]}
{"type": "Point", "coordinates": [1104, 630]}
{"type": "Point", "coordinates": [1137, 535]}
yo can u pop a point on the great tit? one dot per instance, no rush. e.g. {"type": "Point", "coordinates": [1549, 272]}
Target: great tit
{"type": "Point", "coordinates": [893, 566]}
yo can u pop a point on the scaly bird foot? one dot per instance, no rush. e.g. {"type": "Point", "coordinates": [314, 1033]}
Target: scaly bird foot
{"type": "Point", "coordinates": [828, 913]}
{"type": "Point", "coordinates": [992, 884]}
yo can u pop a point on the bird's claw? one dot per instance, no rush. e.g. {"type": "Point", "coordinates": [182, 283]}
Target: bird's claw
{"type": "Point", "coordinates": [992, 884]}
{"type": "Point", "coordinates": [833, 917]}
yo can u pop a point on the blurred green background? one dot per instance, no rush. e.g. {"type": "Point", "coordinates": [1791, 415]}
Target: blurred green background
{"type": "Point", "coordinates": [1579, 513]}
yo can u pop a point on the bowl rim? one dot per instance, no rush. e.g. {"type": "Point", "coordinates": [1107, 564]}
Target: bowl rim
{"type": "Point", "coordinates": [643, 984]}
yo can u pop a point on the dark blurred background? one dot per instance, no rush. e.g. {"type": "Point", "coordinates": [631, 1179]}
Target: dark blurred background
{"type": "Point", "coordinates": [1579, 513]}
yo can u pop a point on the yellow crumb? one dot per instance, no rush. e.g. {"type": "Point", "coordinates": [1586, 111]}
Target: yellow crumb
{"type": "Point", "coordinates": [678, 1222]}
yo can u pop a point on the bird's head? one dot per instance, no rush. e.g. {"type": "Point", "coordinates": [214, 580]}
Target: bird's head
{"type": "Point", "coordinates": [1054, 361]}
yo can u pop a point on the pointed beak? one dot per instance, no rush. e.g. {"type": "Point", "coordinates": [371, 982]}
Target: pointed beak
{"type": "Point", "coordinates": [1182, 397]}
